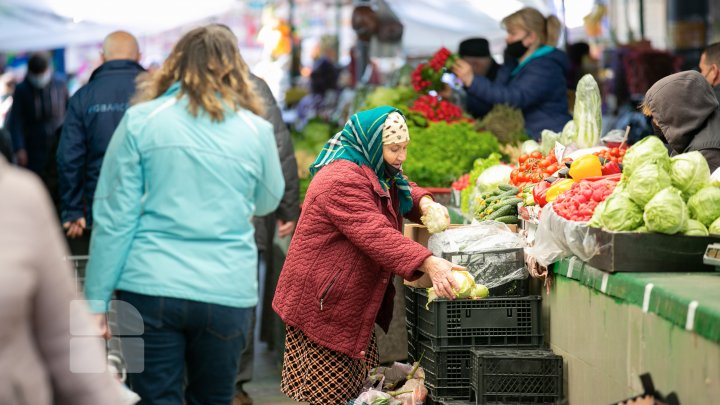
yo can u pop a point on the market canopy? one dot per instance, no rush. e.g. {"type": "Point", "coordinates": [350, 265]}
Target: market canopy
{"type": "Point", "coordinates": [429, 23]}
{"type": "Point", "coordinates": [27, 25]}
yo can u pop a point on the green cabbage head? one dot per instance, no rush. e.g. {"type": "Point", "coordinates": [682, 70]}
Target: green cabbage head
{"type": "Point", "coordinates": [620, 213]}
{"type": "Point", "coordinates": [666, 212]}
{"type": "Point", "coordinates": [646, 181]}
{"type": "Point", "coordinates": [689, 172]}
{"type": "Point", "coordinates": [705, 205]}
{"type": "Point", "coordinates": [695, 228]}
{"type": "Point", "coordinates": [649, 150]}
{"type": "Point", "coordinates": [715, 227]}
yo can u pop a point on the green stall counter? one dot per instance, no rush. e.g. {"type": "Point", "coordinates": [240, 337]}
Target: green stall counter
{"type": "Point", "coordinates": [611, 328]}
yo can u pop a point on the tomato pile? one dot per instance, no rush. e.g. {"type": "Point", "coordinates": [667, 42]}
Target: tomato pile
{"type": "Point", "coordinates": [461, 183]}
{"type": "Point", "coordinates": [435, 109]}
{"type": "Point", "coordinates": [579, 203]}
{"type": "Point", "coordinates": [613, 154]}
{"type": "Point", "coordinates": [534, 167]}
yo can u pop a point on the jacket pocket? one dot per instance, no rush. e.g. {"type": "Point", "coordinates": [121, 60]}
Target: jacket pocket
{"type": "Point", "coordinates": [325, 294]}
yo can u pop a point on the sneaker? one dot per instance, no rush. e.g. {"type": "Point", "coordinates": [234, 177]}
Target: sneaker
{"type": "Point", "coordinates": [242, 398]}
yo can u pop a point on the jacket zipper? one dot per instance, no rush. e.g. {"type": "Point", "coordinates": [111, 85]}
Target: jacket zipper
{"type": "Point", "coordinates": [327, 290]}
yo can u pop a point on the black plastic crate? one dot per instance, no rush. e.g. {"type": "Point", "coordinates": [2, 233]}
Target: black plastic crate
{"type": "Point", "coordinates": [412, 350]}
{"type": "Point", "coordinates": [411, 310]}
{"type": "Point", "coordinates": [447, 371]}
{"type": "Point", "coordinates": [516, 376]}
{"type": "Point", "coordinates": [485, 322]}
{"type": "Point", "coordinates": [489, 266]}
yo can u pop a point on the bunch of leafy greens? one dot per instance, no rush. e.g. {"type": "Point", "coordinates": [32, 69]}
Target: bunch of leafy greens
{"type": "Point", "coordinates": [308, 143]}
{"type": "Point", "coordinates": [666, 212]}
{"type": "Point", "coordinates": [443, 152]}
{"type": "Point", "coordinates": [392, 96]}
{"type": "Point", "coordinates": [507, 123]}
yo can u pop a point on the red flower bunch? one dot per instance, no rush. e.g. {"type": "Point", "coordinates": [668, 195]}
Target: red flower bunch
{"type": "Point", "coordinates": [435, 109]}
{"type": "Point", "coordinates": [427, 76]}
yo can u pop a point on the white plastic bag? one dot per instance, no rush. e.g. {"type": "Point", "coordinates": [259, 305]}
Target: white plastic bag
{"type": "Point", "coordinates": [557, 238]}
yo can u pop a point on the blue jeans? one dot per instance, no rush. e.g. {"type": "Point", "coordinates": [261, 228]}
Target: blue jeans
{"type": "Point", "coordinates": [184, 344]}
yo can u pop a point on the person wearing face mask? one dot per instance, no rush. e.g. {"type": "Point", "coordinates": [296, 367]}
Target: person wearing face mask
{"type": "Point", "coordinates": [685, 115]}
{"type": "Point", "coordinates": [337, 279]}
{"type": "Point", "coordinates": [533, 76]}
{"type": "Point", "coordinates": [710, 66]}
{"type": "Point", "coordinates": [38, 109]}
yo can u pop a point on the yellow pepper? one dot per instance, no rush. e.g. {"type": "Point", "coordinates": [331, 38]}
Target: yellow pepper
{"type": "Point", "coordinates": [586, 166]}
{"type": "Point", "coordinates": [558, 188]}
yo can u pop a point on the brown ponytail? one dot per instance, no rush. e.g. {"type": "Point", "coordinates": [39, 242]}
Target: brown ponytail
{"type": "Point", "coordinates": [531, 20]}
{"type": "Point", "coordinates": [552, 30]}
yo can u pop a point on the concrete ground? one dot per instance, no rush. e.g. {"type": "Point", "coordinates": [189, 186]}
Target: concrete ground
{"type": "Point", "coordinates": [264, 389]}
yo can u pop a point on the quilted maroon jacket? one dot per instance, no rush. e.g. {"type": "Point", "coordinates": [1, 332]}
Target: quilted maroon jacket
{"type": "Point", "coordinates": [337, 278]}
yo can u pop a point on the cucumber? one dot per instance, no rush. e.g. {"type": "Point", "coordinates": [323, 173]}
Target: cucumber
{"type": "Point", "coordinates": [511, 193]}
{"type": "Point", "coordinates": [503, 211]}
{"type": "Point", "coordinates": [514, 201]}
{"type": "Point", "coordinates": [491, 199]}
{"type": "Point", "coordinates": [507, 187]}
{"type": "Point", "coordinates": [508, 219]}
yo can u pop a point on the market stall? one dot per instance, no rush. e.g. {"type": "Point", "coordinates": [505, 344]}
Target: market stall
{"type": "Point", "coordinates": [615, 237]}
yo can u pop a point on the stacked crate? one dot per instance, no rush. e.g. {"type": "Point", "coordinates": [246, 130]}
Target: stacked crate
{"type": "Point", "coordinates": [448, 336]}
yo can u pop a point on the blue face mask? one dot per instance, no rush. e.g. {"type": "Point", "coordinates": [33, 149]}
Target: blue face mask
{"type": "Point", "coordinates": [41, 80]}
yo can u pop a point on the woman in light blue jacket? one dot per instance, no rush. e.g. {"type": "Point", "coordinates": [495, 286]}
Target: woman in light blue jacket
{"type": "Point", "coordinates": [185, 172]}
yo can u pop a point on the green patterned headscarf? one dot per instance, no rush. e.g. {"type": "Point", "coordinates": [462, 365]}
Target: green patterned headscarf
{"type": "Point", "coordinates": [360, 142]}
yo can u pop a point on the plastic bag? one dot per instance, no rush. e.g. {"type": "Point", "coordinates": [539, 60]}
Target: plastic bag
{"type": "Point", "coordinates": [557, 238]}
{"type": "Point", "coordinates": [489, 251]}
{"type": "Point", "coordinates": [613, 137]}
{"type": "Point", "coordinates": [371, 395]}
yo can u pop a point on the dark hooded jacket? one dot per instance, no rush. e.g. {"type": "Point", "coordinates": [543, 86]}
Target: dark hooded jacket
{"type": "Point", "coordinates": [93, 114]}
{"type": "Point", "coordinates": [686, 110]}
{"type": "Point", "coordinates": [538, 88]}
{"type": "Point", "coordinates": [35, 115]}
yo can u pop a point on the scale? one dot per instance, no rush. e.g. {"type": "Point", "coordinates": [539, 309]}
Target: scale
{"type": "Point", "coordinates": [712, 256]}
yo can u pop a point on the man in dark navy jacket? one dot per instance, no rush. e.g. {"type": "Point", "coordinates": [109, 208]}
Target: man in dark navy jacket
{"type": "Point", "coordinates": [93, 114]}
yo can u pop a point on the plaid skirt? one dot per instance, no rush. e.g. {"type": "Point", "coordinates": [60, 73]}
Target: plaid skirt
{"type": "Point", "coordinates": [313, 373]}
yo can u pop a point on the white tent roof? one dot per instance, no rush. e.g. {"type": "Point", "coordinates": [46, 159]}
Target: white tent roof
{"type": "Point", "coordinates": [27, 25]}
{"type": "Point", "coordinates": [430, 24]}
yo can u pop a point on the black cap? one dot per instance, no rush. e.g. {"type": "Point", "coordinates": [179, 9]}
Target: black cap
{"type": "Point", "coordinates": [478, 47]}
{"type": "Point", "coordinates": [38, 62]}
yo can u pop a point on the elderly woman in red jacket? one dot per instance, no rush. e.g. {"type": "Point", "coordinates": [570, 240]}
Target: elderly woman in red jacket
{"type": "Point", "coordinates": [337, 279]}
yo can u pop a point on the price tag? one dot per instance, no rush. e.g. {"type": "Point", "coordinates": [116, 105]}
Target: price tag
{"type": "Point", "coordinates": [559, 151]}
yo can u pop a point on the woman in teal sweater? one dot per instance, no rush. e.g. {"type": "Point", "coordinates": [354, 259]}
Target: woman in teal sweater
{"type": "Point", "coordinates": [188, 167]}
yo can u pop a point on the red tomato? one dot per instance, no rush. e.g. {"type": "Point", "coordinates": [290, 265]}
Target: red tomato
{"type": "Point", "coordinates": [544, 163]}
{"type": "Point", "coordinates": [523, 158]}
{"type": "Point", "coordinates": [536, 155]}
